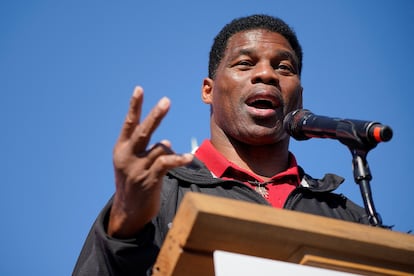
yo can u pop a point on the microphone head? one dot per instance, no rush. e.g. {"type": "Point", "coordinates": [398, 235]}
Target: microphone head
{"type": "Point", "coordinates": [292, 123]}
{"type": "Point", "coordinates": [386, 134]}
{"type": "Point", "coordinates": [380, 133]}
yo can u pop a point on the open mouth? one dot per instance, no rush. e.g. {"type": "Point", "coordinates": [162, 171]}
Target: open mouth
{"type": "Point", "coordinates": [262, 104]}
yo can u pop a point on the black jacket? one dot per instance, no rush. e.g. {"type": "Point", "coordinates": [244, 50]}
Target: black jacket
{"type": "Point", "coordinates": [103, 255]}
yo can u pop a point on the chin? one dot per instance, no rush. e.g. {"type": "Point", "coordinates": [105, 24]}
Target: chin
{"type": "Point", "coordinates": [265, 139]}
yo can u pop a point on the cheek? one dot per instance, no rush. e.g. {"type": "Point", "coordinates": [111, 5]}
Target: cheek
{"type": "Point", "coordinates": [222, 106]}
{"type": "Point", "coordinates": [293, 101]}
{"type": "Point", "coordinates": [224, 100]}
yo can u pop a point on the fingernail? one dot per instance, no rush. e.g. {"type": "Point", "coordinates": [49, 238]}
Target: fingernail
{"type": "Point", "coordinates": [164, 102]}
{"type": "Point", "coordinates": [137, 91]}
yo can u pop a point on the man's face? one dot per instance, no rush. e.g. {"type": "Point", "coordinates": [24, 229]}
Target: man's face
{"type": "Point", "coordinates": [256, 85]}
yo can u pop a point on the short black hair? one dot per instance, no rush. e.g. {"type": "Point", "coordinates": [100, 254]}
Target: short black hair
{"type": "Point", "coordinates": [252, 22]}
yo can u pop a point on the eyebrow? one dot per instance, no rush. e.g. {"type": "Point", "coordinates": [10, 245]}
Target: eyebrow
{"type": "Point", "coordinates": [282, 54]}
{"type": "Point", "coordinates": [288, 55]}
{"type": "Point", "coordinates": [245, 51]}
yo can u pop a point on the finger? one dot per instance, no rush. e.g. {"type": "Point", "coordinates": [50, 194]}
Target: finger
{"type": "Point", "coordinates": [167, 162]}
{"type": "Point", "coordinates": [162, 148]}
{"type": "Point", "coordinates": [142, 134]}
{"type": "Point", "coordinates": [164, 143]}
{"type": "Point", "coordinates": [133, 115]}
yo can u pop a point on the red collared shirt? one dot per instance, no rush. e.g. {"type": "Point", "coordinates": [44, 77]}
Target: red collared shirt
{"type": "Point", "coordinates": [282, 184]}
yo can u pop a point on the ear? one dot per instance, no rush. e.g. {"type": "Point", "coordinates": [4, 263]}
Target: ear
{"type": "Point", "coordinates": [207, 91]}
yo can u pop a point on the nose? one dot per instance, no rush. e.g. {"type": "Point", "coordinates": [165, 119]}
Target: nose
{"type": "Point", "coordinates": [265, 73]}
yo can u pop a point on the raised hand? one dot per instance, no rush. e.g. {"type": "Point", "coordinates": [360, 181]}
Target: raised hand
{"type": "Point", "coordinates": [138, 170]}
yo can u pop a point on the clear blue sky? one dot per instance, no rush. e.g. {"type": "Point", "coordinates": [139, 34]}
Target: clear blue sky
{"type": "Point", "coordinates": [68, 68]}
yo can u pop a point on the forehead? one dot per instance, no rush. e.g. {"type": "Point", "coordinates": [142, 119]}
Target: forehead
{"type": "Point", "coordinates": [257, 38]}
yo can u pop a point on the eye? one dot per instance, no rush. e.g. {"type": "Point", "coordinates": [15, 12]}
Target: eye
{"type": "Point", "coordinates": [244, 63]}
{"type": "Point", "coordinates": [285, 68]}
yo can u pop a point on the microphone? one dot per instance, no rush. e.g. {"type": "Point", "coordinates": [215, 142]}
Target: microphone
{"type": "Point", "coordinates": [302, 124]}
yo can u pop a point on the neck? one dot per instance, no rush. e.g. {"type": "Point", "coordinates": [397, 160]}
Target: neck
{"type": "Point", "coordinates": [263, 160]}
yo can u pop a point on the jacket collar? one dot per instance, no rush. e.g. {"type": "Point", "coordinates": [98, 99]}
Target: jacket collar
{"type": "Point", "coordinates": [197, 173]}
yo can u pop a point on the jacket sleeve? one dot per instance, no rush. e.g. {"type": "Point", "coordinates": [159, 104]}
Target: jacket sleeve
{"type": "Point", "coordinates": [103, 255]}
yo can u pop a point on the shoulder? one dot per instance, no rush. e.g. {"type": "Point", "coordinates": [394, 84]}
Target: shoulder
{"type": "Point", "coordinates": [317, 196]}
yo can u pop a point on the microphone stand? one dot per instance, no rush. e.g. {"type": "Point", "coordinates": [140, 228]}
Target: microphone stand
{"type": "Point", "coordinates": [359, 136]}
{"type": "Point", "coordinates": [362, 176]}
{"type": "Point", "coordinates": [359, 148]}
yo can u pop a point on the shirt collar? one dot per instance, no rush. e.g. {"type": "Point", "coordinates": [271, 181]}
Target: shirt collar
{"type": "Point", "coordinates": [220, 166]}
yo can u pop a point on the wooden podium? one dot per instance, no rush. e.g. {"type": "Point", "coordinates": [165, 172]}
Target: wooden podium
{"type": "Point", "coordinates": [204, 224]}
